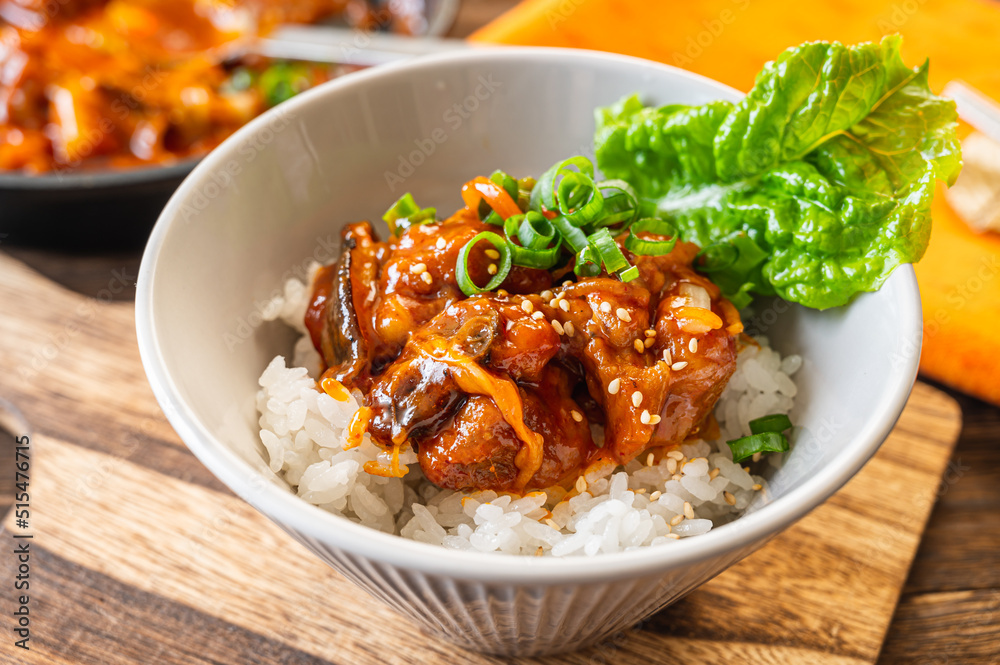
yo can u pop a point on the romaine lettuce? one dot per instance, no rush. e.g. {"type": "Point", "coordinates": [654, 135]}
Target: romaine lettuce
{"type": "Point", "coordinates": [815, 186]}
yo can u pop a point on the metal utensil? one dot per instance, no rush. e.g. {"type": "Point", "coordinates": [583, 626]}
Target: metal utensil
{"type": "Point", "coordinates": [318, 43]}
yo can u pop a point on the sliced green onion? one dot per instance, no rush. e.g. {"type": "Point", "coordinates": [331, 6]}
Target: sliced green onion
{"type": "Point", "coordinates": [535, 258]}
{"type": "Point", "coordinates": [574, 237]}
{"type": "Point", "coordinates": [465, 282]}
{"type": "Point", "coordinates": [588, 262]}
{"type": "Point", "coordinates": [637, 245]}
{"type": "Point", "coordinates": [543, 194]}
{"type": "Point", "coordinates": [569, 214]}
{"type": "Point", "coordinates": [579, 199]}
{"type": "Point", "coordinates": [621, 204]}
{"type": "Point", "coordinates": [776, 422]}
{"type": "Point", "coordinates": [405, 213]}
{"type": "Point", "coordinates": [628, 274]}
{"type": "Point", "coordinates": [765, 442]}
{"type": "Point", "coordinates": [524, 187]}
{"type": "Point", "coordinates": [500, 178]}
{"type": "Point", "coordinates": [492, 218]}
{"type": "Point", "coordinates": [606, 247]}
{"type": "Point", "coordinates": [534, 233]}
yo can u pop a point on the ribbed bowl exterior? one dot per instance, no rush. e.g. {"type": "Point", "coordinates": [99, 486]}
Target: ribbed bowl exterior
{"type": "Point", "coordinates": [523, 619]}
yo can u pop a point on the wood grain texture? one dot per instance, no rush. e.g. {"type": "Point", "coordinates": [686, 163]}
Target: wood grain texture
{"type": "Point", "coordinates": [141, 550]}
{"type": "Point", "coordinates": [950, 608]}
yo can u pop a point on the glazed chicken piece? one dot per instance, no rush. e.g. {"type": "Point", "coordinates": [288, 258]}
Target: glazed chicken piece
{"type": "Point", "coordinates": [476, 394]}
{"type": "Point", "coordinates": [498, 391]}
{"type": "Point", "coordinates": [366, 305]}
{"type": "Point", "coordinates": [656, 351]}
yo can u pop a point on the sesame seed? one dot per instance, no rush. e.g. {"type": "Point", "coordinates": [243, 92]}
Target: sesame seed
{"type": "Point", "coordinates": [654, 419]}
{"type": "Point", "coordinates": [747, 469]}
{"type": "Point", "coordinates": [639, 347]}
{"type": "Point", "coordinates": [440, 244]}
{"type": "Point", "coordinates": [756, 457]}
{"type": "Point", "coordinates": [492, 269]}
{"type": "Point", "coordinates": [502, 293]}
{"type": "Point", "coordinates": [567, 283]}
{"type": "Point", "coordinates": [569, 328]}
{"type": "Point", "coordinates": [688, 510]}
{"type": "Point", "coordinates": [527, 306]}
{"type": "Point", "coordinates": [673, 536]}
{"type": "Point", "coordinates": [676, 477]}
{"type": "Point", "coordinates": [644, 419]}
{"type": "Point", "coordinates": [614, 386]}
{"type": "Point", "coordinates": [693, 345]}
{"type": "Point", "coordinates": [730, 499]}
{"type": "Point", "coordinates": [426, 276]}
{"type": "Point", "coordinates": [418, 268]}
{"type": "Point", "coordinates": [577, 416]}
{"type": "Point", "coordinates": [605, 307]}
{"type": "Point", "coordinates": [636, 399]}
{"type": "Point", "coordinates": [641, 490]}
{"type": "Point", "coordinates": [554, 302]}
{"type": "Point", "coordinates": [563, 305]}
{"type": "Point", "coordinates": [552, 523]}
{"type": "Point", "coordinates": [713, 473]}
{"type": "Point", "coordinates": [623, 314]}
{"type": "Point", "coordinates": [649, 342]}
{"type": "Point", "coordinates": [678, 366]}
{"type": "Point", "coordinates": [666, 356]}
{"type": "Point", "coordinates": [676, 454]}
{"type": "Point", "coordinates": [671, 465]}
{"type": "Point", "coordinates": [557, 327]}
{"type": "Point", "coordinates": [493, 254]}
{"type": "Point", "coordinates": [546, 294]}
{"type": "Point", "coordinates": [655, 495]}
{"type": "Point", "coordinates": [677, 519]}
{"type": "Point", "coordinates": [650, 459]}
{"type": "Point", "coordinates": [540, 551]}
{"type": "Point", "coordinates": [757, 487]}
{"type": "Point", "coordinates": [538, 315]}
{"type": "Point", "coordinates": [581, 484]}
{"type": "Point", "coordinates": [650, 333]}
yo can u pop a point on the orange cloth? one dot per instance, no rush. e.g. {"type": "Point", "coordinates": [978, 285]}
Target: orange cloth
{"type": "Point", "coordinates": [729, 40]}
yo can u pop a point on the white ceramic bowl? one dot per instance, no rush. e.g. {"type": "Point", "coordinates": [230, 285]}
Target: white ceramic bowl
{"type": "Point", "coordinates": [276, 194]}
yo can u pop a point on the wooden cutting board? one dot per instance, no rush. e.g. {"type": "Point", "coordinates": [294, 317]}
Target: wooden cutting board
{"type": "Point", "coordinates": [139, 555]}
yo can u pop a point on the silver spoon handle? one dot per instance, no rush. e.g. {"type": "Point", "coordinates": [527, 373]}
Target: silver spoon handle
{"type": "Point", "coordinates": [348, 47]}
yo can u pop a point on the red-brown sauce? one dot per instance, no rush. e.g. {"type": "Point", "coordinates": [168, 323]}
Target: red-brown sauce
{"type": "Point", "coordinates": [500, 390]}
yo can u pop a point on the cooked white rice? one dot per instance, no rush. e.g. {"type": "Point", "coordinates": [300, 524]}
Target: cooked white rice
{"type": "Point", "coordinates": [302, 430]}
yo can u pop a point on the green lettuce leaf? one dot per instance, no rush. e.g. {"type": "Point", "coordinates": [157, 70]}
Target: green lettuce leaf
{"type": "Point", "coordinates": [815, 186]}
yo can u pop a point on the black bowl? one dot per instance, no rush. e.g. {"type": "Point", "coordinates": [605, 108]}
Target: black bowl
{"type": "Point", "coordinates": [81, 210]}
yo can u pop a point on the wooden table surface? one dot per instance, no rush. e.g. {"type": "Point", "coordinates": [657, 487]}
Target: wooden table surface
{"type": "Point", "coordinates": [950, 608]}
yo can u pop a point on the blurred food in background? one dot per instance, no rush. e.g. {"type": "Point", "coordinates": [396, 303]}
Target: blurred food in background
{"type": "Point", "coordinates": [90, 84]}
{"type": "Point", "coordinates": [976, 195]}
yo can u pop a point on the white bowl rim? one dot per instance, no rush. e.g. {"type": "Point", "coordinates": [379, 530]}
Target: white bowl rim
{"type": "Point", "coordinates": [288, 510]}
